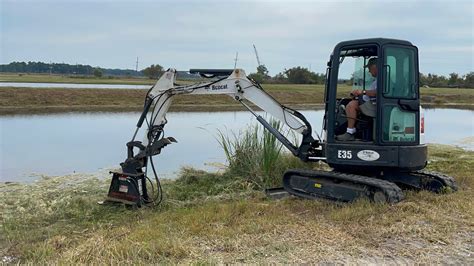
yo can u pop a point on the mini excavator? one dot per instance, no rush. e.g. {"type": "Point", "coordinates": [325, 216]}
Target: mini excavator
{"type": "Point", "coordinates": [387, 154]}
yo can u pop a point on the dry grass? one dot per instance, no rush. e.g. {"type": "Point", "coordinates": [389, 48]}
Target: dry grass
{"type": "Point", "coordinates": [57, 220]}
{"type": "Point", "coordinates": [29, 100]}
{"type": "Point", "coordinates": [76, 79]}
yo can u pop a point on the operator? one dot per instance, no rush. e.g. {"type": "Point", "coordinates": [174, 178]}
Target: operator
{"type": "Point", "coordinates": [367, 107]}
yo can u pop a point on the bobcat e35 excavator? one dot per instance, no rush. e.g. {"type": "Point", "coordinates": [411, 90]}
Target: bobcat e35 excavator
{"type": "Point", "coordinates": [387, 154]}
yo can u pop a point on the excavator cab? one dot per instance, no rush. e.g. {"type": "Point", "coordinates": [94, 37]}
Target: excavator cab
{"type": "Point", "coordinates": [390, 137]}
{"type": "Point", "coordinates": [388, 152]}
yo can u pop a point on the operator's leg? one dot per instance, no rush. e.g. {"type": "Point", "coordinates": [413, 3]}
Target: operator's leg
{"type": "Point", "coordinates": [352, 109]}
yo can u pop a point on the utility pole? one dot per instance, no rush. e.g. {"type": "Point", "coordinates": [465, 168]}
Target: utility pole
{"type": "Point", "coordinates": [136, 67]}
{"type": "Point", "coordinates": [236, 58]}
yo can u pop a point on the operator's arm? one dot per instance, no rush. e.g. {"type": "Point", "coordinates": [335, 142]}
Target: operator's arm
{"type": "Point", "coordinates": [370, 93]}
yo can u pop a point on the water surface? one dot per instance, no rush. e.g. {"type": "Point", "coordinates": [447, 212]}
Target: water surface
{"type": "Point", "coordinates": [58, 144]}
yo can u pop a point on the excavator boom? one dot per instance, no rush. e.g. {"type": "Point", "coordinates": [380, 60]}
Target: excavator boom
{"type": "Point", "coordinates": [238, 87]}
{"type": "Point", "coordinates": [129, 185]}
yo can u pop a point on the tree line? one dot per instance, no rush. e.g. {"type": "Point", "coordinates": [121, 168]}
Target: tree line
{"type": "Point", "coordinates": [453, 80]}
{"type": "Point", "coordinates": [294, 75]}
{"type": "Point", "coordinates": [65, 69]}
{"type": "Point", "coordinates": [301, 75]}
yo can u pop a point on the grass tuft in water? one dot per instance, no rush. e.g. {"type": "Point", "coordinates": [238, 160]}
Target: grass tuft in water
{"type": "Point", "coordinates": [257, 156]}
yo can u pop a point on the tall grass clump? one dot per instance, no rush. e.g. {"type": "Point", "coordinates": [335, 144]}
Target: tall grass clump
{"type": "Point", "coordinates": [257, 156]}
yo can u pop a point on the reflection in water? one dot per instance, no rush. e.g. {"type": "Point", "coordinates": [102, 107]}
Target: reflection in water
{"type": "Point", "coordinates": [66, 143]}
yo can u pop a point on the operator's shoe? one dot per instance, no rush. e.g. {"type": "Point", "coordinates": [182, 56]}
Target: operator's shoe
{"type": "Point", "coordinates": [346, 137]}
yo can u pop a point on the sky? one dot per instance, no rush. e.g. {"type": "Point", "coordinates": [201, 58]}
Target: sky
{"type": "Point", "coordinates": [207, 34]}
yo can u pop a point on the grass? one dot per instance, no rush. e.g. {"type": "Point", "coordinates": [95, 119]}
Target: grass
{"type": "Point", "coordinates": [30, 100]}
{"type": "Point", "coordinates": [76, 79]}
{"type": "Point", "coordinates": [257, 156]}
{"type": "Point", "coordinates": [210, 218]}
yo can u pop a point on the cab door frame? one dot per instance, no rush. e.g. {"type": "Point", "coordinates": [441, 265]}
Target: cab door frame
{"type": "Point", "coordinates": [405, 104]}
{"type": "Point", "coordinates": [332, 84]}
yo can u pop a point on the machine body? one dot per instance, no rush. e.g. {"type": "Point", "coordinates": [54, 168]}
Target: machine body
{"type": "Point", "coordinates": [387, 154]}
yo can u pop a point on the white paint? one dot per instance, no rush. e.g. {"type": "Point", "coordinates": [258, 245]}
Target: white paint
{"type": "Point", "coordinates": [343, 154]}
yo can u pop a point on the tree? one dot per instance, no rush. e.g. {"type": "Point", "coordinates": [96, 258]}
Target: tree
{"type": "Point", "coordinates": [262, 74]}
{"type": "Point", "coordinates": [97, 73]}
{"type": "Point", "coordinates": [454, 79]}
{"type": "Point", "coordinates": [280, 78]}
{"type": "Point", "coordinates": [153, 71]}
{"type": "Point", "coordinates": [257, 77]}
{"type": "Point", "coordinates": [262, 70]}
{"type": "Point", "coordinates": [318, 78]}
{"type": "Point", "coordinates": [469, 80]}
{"type": "Point", "coordinates": [298, 75]}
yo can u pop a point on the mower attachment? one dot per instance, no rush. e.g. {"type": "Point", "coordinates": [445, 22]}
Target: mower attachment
{"type": "Point", "coordinates": [129, 189]}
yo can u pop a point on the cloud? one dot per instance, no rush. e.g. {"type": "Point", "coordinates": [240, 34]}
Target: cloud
{"type": "Point", "coordinates": [186, 34]}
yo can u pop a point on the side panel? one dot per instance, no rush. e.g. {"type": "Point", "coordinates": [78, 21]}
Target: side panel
{"type": "Point", "coordinates": [363, 155]}
{"type": "Point", "coordinates": [413, 157]}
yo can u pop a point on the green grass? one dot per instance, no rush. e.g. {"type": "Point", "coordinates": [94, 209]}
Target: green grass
{"type": "Point", "coordinates": [256, 155]}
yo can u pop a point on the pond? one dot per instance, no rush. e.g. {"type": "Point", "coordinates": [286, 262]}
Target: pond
{"type": "Point", "coordinates": [58, 144]}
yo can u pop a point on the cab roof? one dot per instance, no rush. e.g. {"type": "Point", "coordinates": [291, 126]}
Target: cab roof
{"type": "Point", "coordinates": [380, 41]}
{"type": "Point", "coordinates": [366, 51]}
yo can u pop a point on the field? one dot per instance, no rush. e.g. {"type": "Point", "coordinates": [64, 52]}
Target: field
{"type": "Point", "coordinates": [30, 100]}
{"type": "Point", "coordinates": [76, 79]}
{"type": "Point", "coordinates": [210, 218]}
{"type": "Point", "coordinates": [225, 218]}
{"type": "Point", "coordinates": [52, 100]}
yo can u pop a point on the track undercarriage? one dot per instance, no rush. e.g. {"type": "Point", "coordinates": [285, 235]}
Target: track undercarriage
{"type": "Point", "coordinates": [339, 186]}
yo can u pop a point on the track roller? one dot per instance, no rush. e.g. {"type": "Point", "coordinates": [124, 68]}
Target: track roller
{"type": "Point", "coordinates": [312, 184]}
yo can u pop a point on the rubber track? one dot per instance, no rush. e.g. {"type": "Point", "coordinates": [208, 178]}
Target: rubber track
{"type": "Point", "coordinates": [391, 190]}
{"type": "Point", "coordinates": [448, 181]}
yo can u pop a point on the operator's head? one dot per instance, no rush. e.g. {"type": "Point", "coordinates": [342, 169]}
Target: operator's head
{"type": "Point", "coordinates": [372, 66]}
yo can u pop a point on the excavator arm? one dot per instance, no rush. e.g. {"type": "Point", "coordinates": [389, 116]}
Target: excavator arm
{"type": "Point", "coordinates": [238, 87]}
{"type": "Point", "coordinates": [129, 185]}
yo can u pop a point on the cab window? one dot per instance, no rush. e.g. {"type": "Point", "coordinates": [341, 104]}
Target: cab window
{"type": "Point", "coordinates": [361, 78]}
{"type": "Point", "coordinates": [400, 82]}
{"type": "Point", "coordinates": [399, 73]}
